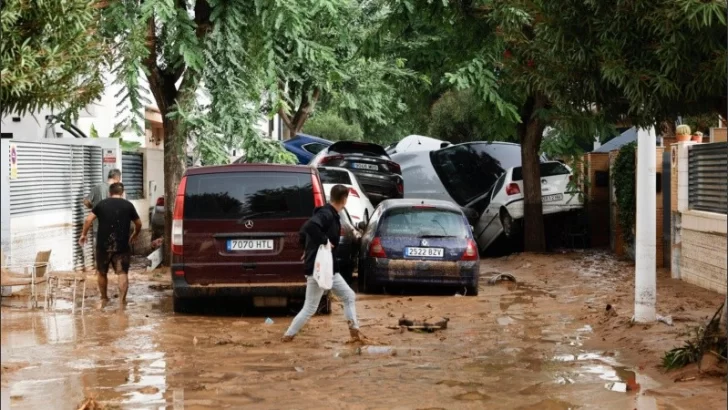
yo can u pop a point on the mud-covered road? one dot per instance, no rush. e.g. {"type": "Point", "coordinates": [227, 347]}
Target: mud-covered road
{"type": "Point", "coordinates": [545, 344]}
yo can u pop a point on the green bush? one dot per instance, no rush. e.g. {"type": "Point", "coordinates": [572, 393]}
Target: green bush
{"type": "Point", "coordinates": [460, 116]}
{"type": "Point", "coordinates": [330, 126]}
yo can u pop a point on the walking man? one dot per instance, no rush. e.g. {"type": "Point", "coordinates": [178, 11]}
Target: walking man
{"type": "Point", "coordinates": [324, 227]}
{"type": "Point", "coordinates": [101, 191]}
{"type": "Point", "coordinates": [115, 215]}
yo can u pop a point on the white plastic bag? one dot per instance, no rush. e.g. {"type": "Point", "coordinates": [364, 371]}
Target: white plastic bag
{"type": "Point", "coordinates": [323, 268]}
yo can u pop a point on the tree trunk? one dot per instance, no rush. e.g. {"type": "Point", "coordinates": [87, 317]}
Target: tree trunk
{"type": "Point", "coordinates": [530, 132]}
{"type": "Point", "coordinates": [174, 167]}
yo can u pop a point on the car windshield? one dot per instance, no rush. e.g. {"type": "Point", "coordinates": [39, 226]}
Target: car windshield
{"type": "Point", "coordinates": [334, 176]}
{"type": "Point", "coordinates": [423, 222]}
{"type": "Point", "coordinates": [469, 170]}
{"type": "Point", "coordinates": [250, 195]}
{"type": "Point", "coordinates": [548, 169]}
{"type": "Point", "coordinates": [361, 148]}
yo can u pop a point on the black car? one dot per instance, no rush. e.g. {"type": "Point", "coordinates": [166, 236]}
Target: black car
{"type": "Point", "coordinates": [379, 176]}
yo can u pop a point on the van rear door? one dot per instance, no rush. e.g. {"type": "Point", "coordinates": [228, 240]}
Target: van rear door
{"type": "Point", "coordinates": [242, 227]}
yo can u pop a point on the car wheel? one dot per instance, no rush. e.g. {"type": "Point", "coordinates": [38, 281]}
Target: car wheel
{"type": "Point", "coordinates": [325, 305]}
{"type": "Point", "coordinates": [362, 282]}
{"type": "Point", "coordinates": [180, 305]}
{"type": "Point", "coordinates": [471, 291]}
{"type": "Point", "coordinates": [507, 223]}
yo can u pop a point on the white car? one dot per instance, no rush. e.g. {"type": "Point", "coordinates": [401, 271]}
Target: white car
{"type": "Point", "coordinates": [358, 205]}
{"type": "Point", "coordinates": [413, 143]}
{"type": "Point", "coordinates": [501, 209]}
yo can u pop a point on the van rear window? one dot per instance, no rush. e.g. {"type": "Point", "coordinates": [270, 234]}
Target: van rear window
{"type": "Point", "coordinates": [250, 195]}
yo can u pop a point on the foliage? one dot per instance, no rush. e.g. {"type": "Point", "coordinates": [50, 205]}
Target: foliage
{"type": "Point", "coordinates": [703, 340]}
{"type": "Point", "coordinates": [330, 126]}
{"type": "Point", "coordinates": [624, 180]}
{"type": "Point", "coordinates": [701, 122]}
{"type": "Point", "coordinates": [50, 56]}
{"type": "Point", "coordinates": [116, 133]}
{"type": "Point", "coordinates": [460, 116]}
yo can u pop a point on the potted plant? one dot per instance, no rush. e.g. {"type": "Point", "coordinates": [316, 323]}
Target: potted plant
{"type": "Point", "coordinates": [682, 133]}
{"type": "Point", "coordinates": [697, 137]}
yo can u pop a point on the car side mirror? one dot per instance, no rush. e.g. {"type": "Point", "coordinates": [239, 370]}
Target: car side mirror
{"type": "Point", "coordinates": [362, 226]}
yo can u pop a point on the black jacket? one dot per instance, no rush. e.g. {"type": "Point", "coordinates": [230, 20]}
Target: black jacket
{"type": "Point", "coordinates": [324, 226]}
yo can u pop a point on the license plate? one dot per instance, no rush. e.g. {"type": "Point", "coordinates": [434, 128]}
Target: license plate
{"type": "Point", "coordinates": [365, 166]}
{"type": "Point", "coordinates": [250, 245]}
{"type": "Point", "coordinates": [425, 252]}
{"type": "Point", "coordinates": [552, 198]}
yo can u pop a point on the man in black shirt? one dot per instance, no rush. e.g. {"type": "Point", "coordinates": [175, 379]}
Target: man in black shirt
{"type": "Point", "coordinates": [115, 215]}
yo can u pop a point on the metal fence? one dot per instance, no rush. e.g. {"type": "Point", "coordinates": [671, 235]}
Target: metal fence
{"type": "Point", "coordinates": [708, 177]}
{"type": "Point", "coordinates": [132, 174]}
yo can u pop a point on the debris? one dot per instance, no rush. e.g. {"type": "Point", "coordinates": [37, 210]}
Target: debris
{"type": "Point", "coordinates": [610, 311]}
{"type": "Point", "coordinates": [90, 404]}
{"type": "Point", "coordinates": [377, 350]}
{"type": "Point", "coordinates": [160, 287]}
{"type": "Point", "coordinates": [269, 321]}
{"type": "Point", "coordinates": [505, 321]}
{"type": "Point", "coordinates": [154, 259]}
{"type": "Point", "coordinates": [299, 369]}
{"type": "Point", "coordinates": [684, 379]}
{"type": "Point", "coordinates": [617, 386]}
{"type": "Point", "coordinates": [457, 295]}
{"type": "Point", "coordinates": [421, 325]}
{"type": "Point", "coordinates": [665, 319]}
{"type": "Point", "coordinates": [497, 277]}
{"type": "Point", "coordinates": [194, 340]}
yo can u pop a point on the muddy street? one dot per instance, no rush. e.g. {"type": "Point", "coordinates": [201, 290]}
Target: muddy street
{"type": "Point", "coordinates": [543, 344]}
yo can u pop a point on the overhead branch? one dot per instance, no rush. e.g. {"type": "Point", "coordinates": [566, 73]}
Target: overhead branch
{"type": "Point", "coordinates": [305, 108]}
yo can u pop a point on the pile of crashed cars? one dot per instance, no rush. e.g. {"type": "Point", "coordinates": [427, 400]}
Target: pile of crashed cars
{"type": "Point", "coordinates": [419, 212]}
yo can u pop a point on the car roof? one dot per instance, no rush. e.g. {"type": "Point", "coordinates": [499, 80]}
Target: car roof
{"type": "Point", "coordinates": [410, 202]}
{"type": "Point", "coordinates": [220, 169]}
{"type": "Point", "coordinates": [310, 138]}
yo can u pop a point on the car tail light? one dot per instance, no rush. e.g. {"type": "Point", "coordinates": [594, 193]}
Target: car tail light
{"type": "Point", "coordinates": [471, 251]}
{"type": "Point", "coordinates": [160, 201]}
{"type": "Point", "coordinates": [376, 249]}
{"type": "Point", "coordinates": [318, 192]}
{"type": "Point", "coordinates": [352, 192]}
{"type": "Point", "coordinates": [400, 187]}
{"type": "Point", "coordinates": [513, 189]}
{"type": "Point", "coordinates": [394, 167]}
{"type": "Point", "coordinates": [177, 218]}
{"type": "Point", "coordinates": [330, 158]}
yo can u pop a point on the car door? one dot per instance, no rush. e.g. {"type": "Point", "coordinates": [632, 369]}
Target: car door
{"type": "Point", "coordinates": [489, 225]}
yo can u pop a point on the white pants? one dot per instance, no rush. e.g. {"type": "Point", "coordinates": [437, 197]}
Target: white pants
{"type": "Point", "coordinates": [313, 297]}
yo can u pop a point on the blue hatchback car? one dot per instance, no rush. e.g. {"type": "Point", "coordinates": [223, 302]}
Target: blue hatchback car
{"type": "Point", "coordinates": [418, 242]}
{"type": "Point", "coordinates": [305, 147]}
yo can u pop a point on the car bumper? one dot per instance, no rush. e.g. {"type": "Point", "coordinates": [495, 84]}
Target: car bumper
{"type": "Point", "coordinates": [571, 202]}
{"type": "Point", "coordinates": [291, 290]}
{"type": "Point", "coordinates": [386, 271]}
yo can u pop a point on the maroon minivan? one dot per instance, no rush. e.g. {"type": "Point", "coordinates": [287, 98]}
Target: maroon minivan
{"type": "Point", "coordinates": [235, 233]}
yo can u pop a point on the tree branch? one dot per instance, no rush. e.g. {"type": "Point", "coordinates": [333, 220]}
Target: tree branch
{"type": "Point", "coordinates": [305, 109]}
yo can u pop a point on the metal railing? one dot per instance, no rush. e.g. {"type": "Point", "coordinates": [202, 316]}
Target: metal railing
{"type": "Point", "coordinates": [708, 177]}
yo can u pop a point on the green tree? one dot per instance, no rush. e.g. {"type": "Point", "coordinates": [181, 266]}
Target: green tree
{"type": "Point", "coordinates": [330, 126]}
{"type": "Point", "coordinates": [50, 56]}
{"type": "Point", "coordinates": [578, 66]}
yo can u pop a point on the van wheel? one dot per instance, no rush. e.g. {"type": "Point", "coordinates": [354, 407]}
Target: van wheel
{"type": "Point", "coordinates": [180, 305]}
{"type": "Point", "coordinates": [324, 305]}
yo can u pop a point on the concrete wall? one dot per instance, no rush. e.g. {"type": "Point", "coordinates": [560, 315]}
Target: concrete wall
{"type": "Point", "coordinates": [699, 239]}
{"type": "Point", "coordinates": [25, 235]}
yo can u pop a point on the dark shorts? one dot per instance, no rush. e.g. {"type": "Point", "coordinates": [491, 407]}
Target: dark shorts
{"type": "Point", "coordinates": [120, 262]}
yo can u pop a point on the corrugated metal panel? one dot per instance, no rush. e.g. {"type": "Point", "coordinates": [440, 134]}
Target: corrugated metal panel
{"type": "Point", "coordinates": [132, 174]}
{"type": "Point", "coordinates": [87, 170]}
{"type": "Point", "coordinates": [43, 174]}
{"type": "Point", "coordinates": [707, 182]}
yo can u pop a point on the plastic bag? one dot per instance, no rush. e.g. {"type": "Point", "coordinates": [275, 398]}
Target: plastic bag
{"type": "Point", "coordinates": [323, 268]}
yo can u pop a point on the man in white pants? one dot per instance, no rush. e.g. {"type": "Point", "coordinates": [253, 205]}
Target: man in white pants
{"type": "Point", "coordinates": [324, 227]}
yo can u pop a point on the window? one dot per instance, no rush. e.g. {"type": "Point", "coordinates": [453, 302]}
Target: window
{"type": "Point", "coordinates": [423, 222]}
{"type": "Point", "coordinates": [334, 176]}
{"type": "Point", "coordinates": [250, 195]}
{"type": "Point", "coordinates": [548, 169]}
{"type": "Point", "coordinates": [468, 170]}
{"type": "Point", "coordinates": [313, 147]}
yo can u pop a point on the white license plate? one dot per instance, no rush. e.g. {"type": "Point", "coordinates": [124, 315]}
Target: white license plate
{"type": "Point", "coordinates": [365, 166]}
{"type": "Point", "coordinates": [425, 252]}
{"type": "Point", "coordinates": [250, 245]}
{"type": "Point", "coordinates": [552, 198]}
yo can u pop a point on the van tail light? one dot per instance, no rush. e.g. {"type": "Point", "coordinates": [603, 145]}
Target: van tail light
{"type": "Point", "coordinates": [471, 251]}
{"type": "Point", "coordinates": [376, 249]}
{"type": "Point", "coordinates": [330, 158]}
{"type": "Point", "coordinates": [160, 201]}
{"type": "Point", "coordinates": [177, 218]}
{"type": "Point", "coordinates": [353, 192]}
{"type": "Point", "coordinates": [318, 191]}
{"type": "Point", "coordinates": [394, 167]}
{"type": "Point", "coordinates": [513, 189]}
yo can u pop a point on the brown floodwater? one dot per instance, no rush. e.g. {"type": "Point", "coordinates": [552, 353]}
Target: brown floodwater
{"type": "Point", "coordinates": [511, 347]}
